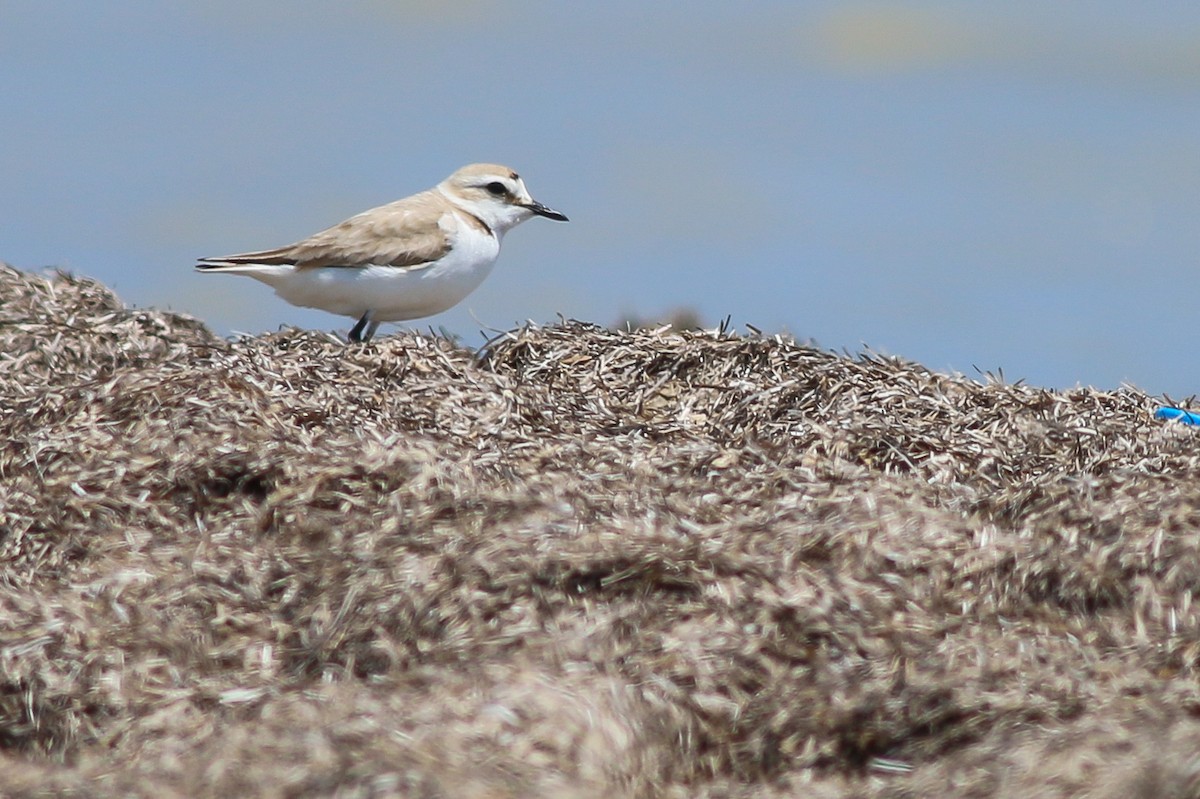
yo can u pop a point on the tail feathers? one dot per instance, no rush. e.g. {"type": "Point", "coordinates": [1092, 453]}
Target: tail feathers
{"type": "Point", "coordinates": [235, 267]}
{"type": "Point", "coordinates": [248, 262]}
{"type": "Point", "coordinates": [277, 257]}
{"type": "Point", "coordinates": [212, 265]}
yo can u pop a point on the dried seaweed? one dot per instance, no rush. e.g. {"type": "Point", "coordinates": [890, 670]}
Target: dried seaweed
{"type": "Point", "coordinates": [578, 563]}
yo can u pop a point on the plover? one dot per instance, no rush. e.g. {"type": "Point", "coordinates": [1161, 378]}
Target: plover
{"type": "Point", "coordinates": [405, 260]}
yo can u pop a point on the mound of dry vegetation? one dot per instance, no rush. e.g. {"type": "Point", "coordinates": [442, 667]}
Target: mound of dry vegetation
{"type": "Point", "coordinates": [580, 563]}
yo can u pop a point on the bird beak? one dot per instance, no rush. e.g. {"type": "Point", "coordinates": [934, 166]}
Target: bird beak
{"type": "Point", "coordinates": [541, 210]}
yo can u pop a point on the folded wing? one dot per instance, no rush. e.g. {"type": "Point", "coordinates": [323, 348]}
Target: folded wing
{"type": "Point", "coordinates": [404, 234]}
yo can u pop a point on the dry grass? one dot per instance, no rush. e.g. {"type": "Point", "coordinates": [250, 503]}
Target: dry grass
{"type": "Point", "coordinates": [586, 564]}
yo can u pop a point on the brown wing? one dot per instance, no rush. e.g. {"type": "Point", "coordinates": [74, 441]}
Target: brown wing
{"type": "Point", "coordinates": [405, 233]}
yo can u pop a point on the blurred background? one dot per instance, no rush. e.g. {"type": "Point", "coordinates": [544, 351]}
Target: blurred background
{"type": "Point", "coordinates": [976, 186]}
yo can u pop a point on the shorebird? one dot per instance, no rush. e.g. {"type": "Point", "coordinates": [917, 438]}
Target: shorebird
{"type": "Point", "coordinates": [405, 260]}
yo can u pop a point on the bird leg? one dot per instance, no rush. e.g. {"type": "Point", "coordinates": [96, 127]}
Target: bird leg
{"type": "Point", "coordinates": [356, 332]}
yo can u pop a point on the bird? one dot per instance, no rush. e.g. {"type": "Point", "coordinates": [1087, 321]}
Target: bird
{"type": "Point", "coordinates": [408, 259]}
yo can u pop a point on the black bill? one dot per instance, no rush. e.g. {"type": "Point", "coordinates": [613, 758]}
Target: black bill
{"type": "Point", "coordinates": [542, 210]}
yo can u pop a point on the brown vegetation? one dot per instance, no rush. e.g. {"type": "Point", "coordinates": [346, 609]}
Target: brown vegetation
{"type": "Point", "coordinates": [583, 564]}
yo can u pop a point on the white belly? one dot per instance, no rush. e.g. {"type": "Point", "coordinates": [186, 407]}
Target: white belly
{"type": "Point", "coordinates": [392, 294]}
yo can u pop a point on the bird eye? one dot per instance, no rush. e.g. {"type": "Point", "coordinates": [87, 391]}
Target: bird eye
{"type": "Point", "coordinates": [497, 188]}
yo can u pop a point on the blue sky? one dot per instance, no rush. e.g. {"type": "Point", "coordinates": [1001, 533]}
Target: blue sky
{"type": "Point", "coordinates": [985, 186]}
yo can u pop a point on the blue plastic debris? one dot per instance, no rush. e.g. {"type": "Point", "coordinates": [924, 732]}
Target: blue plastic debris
{"type": "Point", "coordinates": [1179, 415]}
